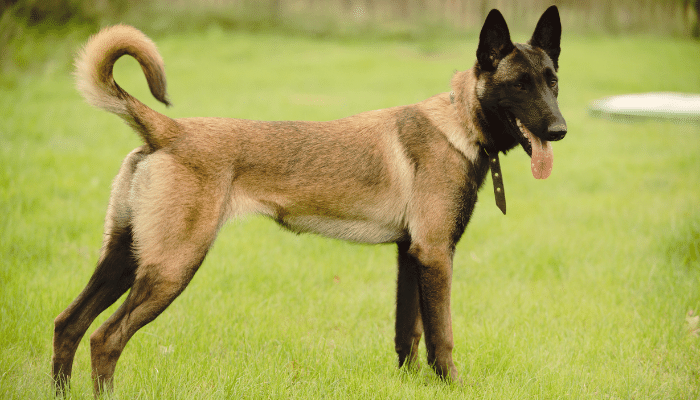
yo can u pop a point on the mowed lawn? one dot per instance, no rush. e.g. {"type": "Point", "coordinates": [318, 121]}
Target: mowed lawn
{"type": "Point", "coordinates": [588, 289]}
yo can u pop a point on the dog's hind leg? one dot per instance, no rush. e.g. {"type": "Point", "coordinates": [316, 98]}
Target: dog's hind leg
{"type": "Point", "coordinates": [176, 218]}
{"type": "Point", "coordinates": [150, 295]}
{"type": "Point", "coordinates": [409, 326]}
{"type": "Point", "coordinates": [113, 275]}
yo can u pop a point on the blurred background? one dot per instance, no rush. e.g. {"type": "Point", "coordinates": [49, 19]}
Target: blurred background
{"type": "Point", "coordinates": [327, 17]}
{"type": "Point", "coordinates": [66, 23]}
{"type": "Point", "coordinates": [678, 17]}
{"type": "Point", "coordinates": [33, 32]}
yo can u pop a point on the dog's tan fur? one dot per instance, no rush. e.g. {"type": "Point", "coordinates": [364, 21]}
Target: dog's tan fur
{"type": "Point", "coordinates": [407, 175]}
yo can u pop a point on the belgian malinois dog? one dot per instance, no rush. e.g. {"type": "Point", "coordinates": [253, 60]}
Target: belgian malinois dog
{"type": "Point", "coordinates": [407, 175]}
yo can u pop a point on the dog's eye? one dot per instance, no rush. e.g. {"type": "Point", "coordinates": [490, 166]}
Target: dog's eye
{"type": "Point", "coordinates": [553, 82]}
{"type": "Point", "coordinates": [524, 82]}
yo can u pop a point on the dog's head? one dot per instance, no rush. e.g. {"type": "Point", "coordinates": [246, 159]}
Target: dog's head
{"type": "Point", "coordinates": [517, 87]}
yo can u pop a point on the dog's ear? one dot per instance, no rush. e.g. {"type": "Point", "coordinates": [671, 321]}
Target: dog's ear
{"type": "Point", "coordinates": [547, 34]}
{"type": "Point", "coordinates": [494, 41]}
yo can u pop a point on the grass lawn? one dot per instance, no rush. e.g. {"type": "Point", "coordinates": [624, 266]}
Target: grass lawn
{"type": "Point", "coordinates": [582, 291]}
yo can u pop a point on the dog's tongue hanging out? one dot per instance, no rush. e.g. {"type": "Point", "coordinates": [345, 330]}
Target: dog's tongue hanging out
{"type": "Point", "coordinates": [542, 155]}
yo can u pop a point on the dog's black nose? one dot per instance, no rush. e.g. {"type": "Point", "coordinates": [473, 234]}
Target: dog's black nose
{"type": "Point", "coordinates": [556, 132]}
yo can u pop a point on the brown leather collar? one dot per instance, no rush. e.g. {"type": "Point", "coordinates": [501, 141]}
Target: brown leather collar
{"type": "Point", "coordinates": [497, 178]}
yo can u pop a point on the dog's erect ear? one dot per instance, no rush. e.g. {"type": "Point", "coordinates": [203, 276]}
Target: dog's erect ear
{"type": "Point", "coordinates": [494, 41]}
{"type": "Point", "coordinates": [547, 34]}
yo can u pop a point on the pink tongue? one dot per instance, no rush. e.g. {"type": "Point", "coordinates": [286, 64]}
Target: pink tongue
{"type": "Point", "coordinates": [542, 155]}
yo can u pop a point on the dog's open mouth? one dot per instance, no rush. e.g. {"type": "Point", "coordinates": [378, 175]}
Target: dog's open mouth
{"type": "Point", "coordinates": [540, 151]}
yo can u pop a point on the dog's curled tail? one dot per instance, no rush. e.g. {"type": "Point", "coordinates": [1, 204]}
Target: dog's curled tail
{"type": "Point", "coordinates": [95, 82]}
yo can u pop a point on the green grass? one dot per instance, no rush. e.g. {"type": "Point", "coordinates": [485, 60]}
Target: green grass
{"type": "Point", "coordinates": [581, 291]}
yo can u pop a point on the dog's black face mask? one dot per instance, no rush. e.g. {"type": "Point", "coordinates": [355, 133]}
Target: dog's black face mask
{"type": "Point", "coordinates": [518, 88]}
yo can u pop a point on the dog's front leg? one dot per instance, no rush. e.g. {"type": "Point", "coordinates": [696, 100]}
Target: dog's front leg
{"type": "Point", "coordinates": [409, 326]}
{"type": "Point", "coordinates": [434, 262]}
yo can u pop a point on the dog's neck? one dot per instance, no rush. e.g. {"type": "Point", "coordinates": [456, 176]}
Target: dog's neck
{"type": "Point", "coordinates": [485, 124]}
{"type": "Point", "coordinates": [475, 122]}
{"type": "Point", "coordinates": [468, 108]}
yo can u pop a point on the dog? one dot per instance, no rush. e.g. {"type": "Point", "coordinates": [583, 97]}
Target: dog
{"type": "Point", "coordinates": [407, 175]}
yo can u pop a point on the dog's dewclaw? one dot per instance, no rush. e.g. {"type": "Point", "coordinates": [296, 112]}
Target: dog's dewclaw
{"type": "Point", "coordinates": [542, 157]}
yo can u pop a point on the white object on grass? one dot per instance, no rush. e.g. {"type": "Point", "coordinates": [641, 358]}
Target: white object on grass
{"type": "Point", "coordinates": [660, 105]}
